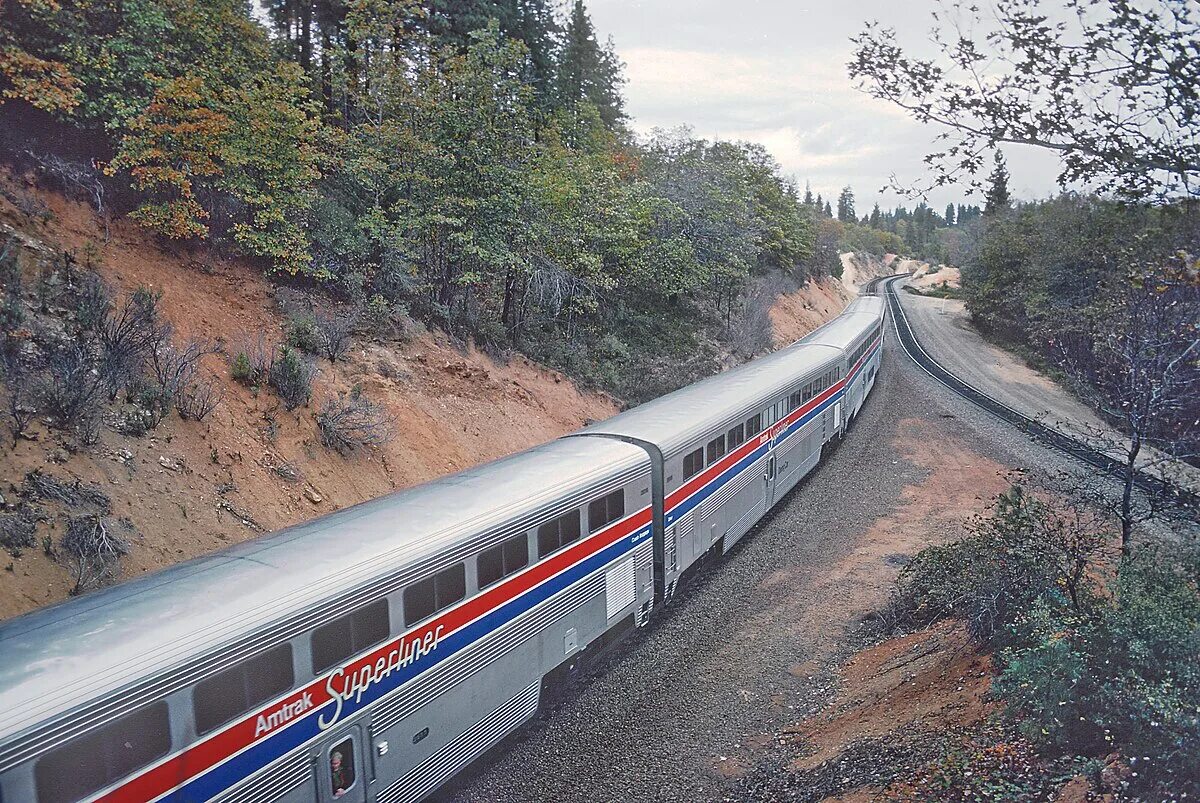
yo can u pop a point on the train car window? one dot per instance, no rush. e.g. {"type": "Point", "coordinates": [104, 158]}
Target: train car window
{"type": "Point", "coordinates": [349, 635]}
{"type": "Point", "coordinates": [240, 688]}
{"type": "Point", "coordinates": [606, 510]}
{"type": "Point", "coordinates": [95, 760]}
{"type": "Point", "coordinates": [737, 436]}
{"type": "Point", "coordinates": [794, 400]}
{"type": "Point", "coordinates": [503, 559]}
{"type": "Point", "coordinates": [425, 598]}
{"type": "Point", "coordinates": [716, 449]}
{"type": "Point", "coordinates": [693, 464]}
{"type": "Point", "coordinates": [753, 426]}
{"type": "Point", "coordinates": [341, 768]}
{"type": "Point", "coordinates": [555, 534]}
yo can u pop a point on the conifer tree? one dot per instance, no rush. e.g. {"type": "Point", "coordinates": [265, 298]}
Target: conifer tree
{"type": "Point", "coordinates": [846, 206]}
{"type": "Point", "coordinates": [997, 198]}
{"type": "Point", "coordinates": [949, 214]}
{"type": "Point", "coordinates": [589, 72]}
{"type": "Point", "coordinates": [808, 196]}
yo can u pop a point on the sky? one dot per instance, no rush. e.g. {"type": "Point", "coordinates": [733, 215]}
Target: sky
{"type": "Point", "coordinates": [774, 72]}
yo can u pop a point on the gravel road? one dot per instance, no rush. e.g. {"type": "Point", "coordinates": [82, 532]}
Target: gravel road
{"type": "Point", "coordinates": [686, 708]}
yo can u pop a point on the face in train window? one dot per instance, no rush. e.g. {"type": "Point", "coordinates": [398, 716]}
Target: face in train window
{"type": "Point", "coordinates": [503, 559]}
{"type": "Point", "coordinates": [341, 768]}
{"type": "Point", "coordinates": [693, 464]}
{"type": "Point", "coordinates": [557, 533]}
{"type": "Point", "coordinates": [95, 760]}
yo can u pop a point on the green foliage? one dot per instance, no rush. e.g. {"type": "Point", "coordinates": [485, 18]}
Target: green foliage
{"type": "Point", "coordinates": [1123, 676]}
{"type": "Point", "coordinates": [1025, 552]}
{"type": "Point", "coordinates": [242, 371]}
{"type": "Point", "coordinates": [291, 376]}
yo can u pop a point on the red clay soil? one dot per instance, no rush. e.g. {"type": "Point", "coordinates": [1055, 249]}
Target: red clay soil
{"type": "Point", "coordinates": [928, 680]}
{"type": "Point", "coordinates": [190, 488]}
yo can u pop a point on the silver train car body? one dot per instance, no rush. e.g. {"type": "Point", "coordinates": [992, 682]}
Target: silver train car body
{"type": "Point", "coordinates": [371, 654]}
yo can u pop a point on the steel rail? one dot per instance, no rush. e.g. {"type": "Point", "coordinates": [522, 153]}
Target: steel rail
{"type": "Point", "coordinates": [1053, 438]}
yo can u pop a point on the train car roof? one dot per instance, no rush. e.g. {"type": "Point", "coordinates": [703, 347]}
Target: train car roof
{"type": "Point", "coordinates": [674, 421]}
{"type": "Point", "coordinates": [80, 650]}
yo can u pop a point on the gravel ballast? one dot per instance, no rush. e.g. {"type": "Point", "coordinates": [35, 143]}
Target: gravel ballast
{"type": "Point", "coordinates": [684, 708]}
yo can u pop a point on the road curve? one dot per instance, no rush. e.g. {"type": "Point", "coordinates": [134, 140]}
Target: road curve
{"type": "Point", "coordinates": [1049, 436]}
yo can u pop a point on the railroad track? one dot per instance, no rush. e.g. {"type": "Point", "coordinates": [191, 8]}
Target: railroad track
{"type": "Point", "coordinates": [1032, 427]}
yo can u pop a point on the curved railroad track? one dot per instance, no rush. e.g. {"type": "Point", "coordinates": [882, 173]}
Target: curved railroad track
{"type": "Point", "coordinates": [1053, 438]}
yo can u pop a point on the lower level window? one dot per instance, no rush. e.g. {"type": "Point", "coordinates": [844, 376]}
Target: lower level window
{"type": "Point", "coordinates": [341, 768]}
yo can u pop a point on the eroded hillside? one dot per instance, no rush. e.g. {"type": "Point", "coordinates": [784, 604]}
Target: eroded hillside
{"type": "Point", "coordinates": [186, 488]}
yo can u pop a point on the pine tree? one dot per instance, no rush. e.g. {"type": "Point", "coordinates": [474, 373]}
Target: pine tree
{"type": "Point", "coordinates": [875, 216]}
{"type": "Point", "coordinates": [808, 196]}
{"type": "Point", "coordinates": [949, 214]}
{"type": "Point", "coordinates": [845, 207]}
{"type": "Point", "coordinates": [589, 72]}
{"type": "Point", "coordinates": [997, 197]}
{"type": "Point", "coordinates": [828, 210]}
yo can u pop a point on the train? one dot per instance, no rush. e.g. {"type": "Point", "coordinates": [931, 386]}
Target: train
{"type": "Point", "coordinates": [373, 653]}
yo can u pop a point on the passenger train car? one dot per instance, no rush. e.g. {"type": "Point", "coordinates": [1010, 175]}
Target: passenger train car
{"type": "Point", "coordinates": [371, 654]}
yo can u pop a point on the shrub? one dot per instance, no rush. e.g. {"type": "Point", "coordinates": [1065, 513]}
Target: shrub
{"type": "Point", "coordinates": [200, 398]}
{"type": "Point", "coordinates": [292, 376]}
{"type": "Point", "coordinates": [1024, 552]}
{"type": "Point", "coordinates": [302, 334]}
{"type": "Point", "coordinates": [250, 364]}
{"type": "Point", "coordinates": [336, 332]}
{"type": "Point", "coordinates": [1123, 677]}
{"type": "Point", "coordinates": [352, 421]}
{"type": "Point", "coordinates": [174, 367]}
{"type": "Point", "coordinates": [69, 390]}
{"type": "Point", "coordinates": [127, 337]}
{"type": "Point", "coordinates": [12, 311]}
{"type": "Point", "coordinates": [94, 550]}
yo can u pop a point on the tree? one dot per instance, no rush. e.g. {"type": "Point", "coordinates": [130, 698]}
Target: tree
{"type": "Point", "coordinates": [845, 207]}
{"type": "Point", "coordinates": [876, 218]}
{"type": "Point", "coordinates": [588, 72]}
{"type": "Point", "coordinates": [1109, 86]}
{"type": "Point", "coordinates": [1136, 356]}
{"type": "Point", "coordinates": [828, 210]}
{"type": "Point", "coordinates": [172, 145]}
{"type": "Point", "coordinates": [996, 199]}
{"type": "Point", "coordinates": [949, 214]}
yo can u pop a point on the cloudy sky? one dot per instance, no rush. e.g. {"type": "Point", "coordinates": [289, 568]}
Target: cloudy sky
{"type": "Point", "coordinates": [774, 72]}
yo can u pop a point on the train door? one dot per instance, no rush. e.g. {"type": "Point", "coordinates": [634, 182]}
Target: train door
{"type": "Point", "coordinates": [769, 481]}
{"type": "Point", "coordinates": [341, 767]}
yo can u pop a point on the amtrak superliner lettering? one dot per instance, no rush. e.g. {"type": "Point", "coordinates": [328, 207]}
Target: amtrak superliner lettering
{"type": "Point", "coordinates": [343, 687]}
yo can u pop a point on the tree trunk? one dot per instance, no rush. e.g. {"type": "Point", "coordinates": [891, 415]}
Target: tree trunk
{"type": "Point", "coordinates": [306, 35]}
{"type": "Point", "coordinates": [1135, 446]}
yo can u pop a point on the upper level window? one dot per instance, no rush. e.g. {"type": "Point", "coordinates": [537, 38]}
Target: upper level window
{"type": "Point", "coordinates": [93, 761]}
{"type": "Point", "coordinates": [349, 635]}
{"type": "Point", "coordinates": [693, 463]}
{"type": "Point", "coordinates": [426, 597]}
{"type": "Point", "coordinates": [606, 510]}
{"type": "Point", "coordinates": [737, 436]}
{"type": "Point", "coordinates": [503, 559]}
{"type": "Point", "coordinates": [557, 533]}
{"type": "Point", "coordinates": [239, 689]}
{"type": "Point", "coordinates": [716, 449]}
{"type": "Point", "coordinates": [753, 425]}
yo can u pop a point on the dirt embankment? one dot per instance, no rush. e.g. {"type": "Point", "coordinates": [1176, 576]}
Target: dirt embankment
{"type": "Point", "coordinates": [858, 269]}
{"type": "Point", "coordinates": [192, 487]}
{"type": "Point", "coordinates": [795, 314]}
{"type": "Point", "coordinates": [189, 488]}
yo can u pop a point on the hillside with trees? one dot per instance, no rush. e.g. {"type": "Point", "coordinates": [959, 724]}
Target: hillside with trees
{"type": "Point", "coordinates": [463, 163]}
